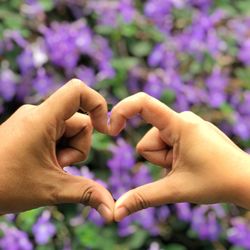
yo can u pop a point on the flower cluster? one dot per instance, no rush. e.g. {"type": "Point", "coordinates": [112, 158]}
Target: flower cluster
{"type": "Point", "coordinates": [190, 54]}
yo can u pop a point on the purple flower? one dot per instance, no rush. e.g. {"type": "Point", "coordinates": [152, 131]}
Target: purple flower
{"type": "Point", "coordinates": [126, 227]}
{"type": "Point", "coordinates": [14, 239]}
{"type": "Point", "coordinates": [154, 86]}
{"type": "Point", "coordinates": [83, 171]}
{"type": "Point", "coordinates": [205, 221]}
{"type": "Point", "coordinates": [123, 156]}
{"type": "Point", "coordinates": [239, 233]}
{"type": "Point", "coordinates": [241, 126]}
{"type": "Point", "coordinates": [26, 61]}
{"type": "Point", "coordinates": [162, 213]}
{"type": "Point", "coordinates": [43, 229]}
{"type": "Point", "coordinates": [43, 83]}
{"type": "Point", "coordinates": [146, 218]}
{"type": "Point", "coordinates": [126, 9]}
{"type": "Point", "coordinates": [244, 52]}
{"type": "Point", "coordinates": [86, 74]}
{"type": "Point", "coordinates": [8, 81]}
{"type": "Point", "coordinates": [184, 211]}
{"type": "Point", "coordinates": [96, 218]}
{"type": "Point", "coordinates": [106, 11]}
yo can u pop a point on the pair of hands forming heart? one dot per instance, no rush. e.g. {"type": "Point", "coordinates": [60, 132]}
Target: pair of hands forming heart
{"type": "Point", "coordinates": [203, 165]}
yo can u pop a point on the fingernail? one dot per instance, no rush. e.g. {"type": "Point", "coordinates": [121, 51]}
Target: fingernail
{"type": "Point", "coordinates": [105, 212]}
{"type": "Point", "coordinates": [121, 213]}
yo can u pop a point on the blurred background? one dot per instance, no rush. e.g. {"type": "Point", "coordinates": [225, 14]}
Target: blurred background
{"type": "Point", "coordinates": [190, 54]}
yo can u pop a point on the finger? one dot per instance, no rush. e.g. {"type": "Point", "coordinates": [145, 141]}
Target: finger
{"type": "Point", "coordinates": [154, 149]}
{"type": "Point", "coordinates": [151, 110]}
{"type": "Point", "coordinates": [157, 193]}
{"type": "Point", "coordinates": [77, 189]}
{"type": "Point", "coordinates": [78, 130]}
{"type": "Point", "coordinates": [73, 96]}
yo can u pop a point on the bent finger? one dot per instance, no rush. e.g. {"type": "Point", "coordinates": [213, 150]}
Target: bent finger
{"type": "Point", "coordinates": [154, 149]}
{"type": "Point", "coordinates": [73, 96]}
{"type": "Point", "coordinates": [151, 110]}
{"type": "Point", "coordinates": [78, 131]}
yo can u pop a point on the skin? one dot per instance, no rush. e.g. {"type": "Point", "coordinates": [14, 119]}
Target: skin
{"type": "Point", "coordinates": [202, 164]}
{"type": "Point", "coordinates": [32, 172]}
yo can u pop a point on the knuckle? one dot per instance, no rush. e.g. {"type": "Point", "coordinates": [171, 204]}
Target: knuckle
{"type": "Point", "coordinates": [26, 107]}
{"type": "Point", "coordinates": [87, 194]}
{"type": "Point", "coordinates": [75, 83]}
{"type": "Point", "coordinates": [142, 96]}
{"type": "Point", "coordinates": [27, 114]}
{"type": "Point", "coordinates": [140, 201]}
{"type": "Point", "coordinates": [88, 125]}
{"type": "Point", "coordinates": [140, 148]}
{"type": "Point", "coordinates": [118, 111]}
{"type": "Point", "coordinates": [190, 118]}
{"type": "Point", "coordinates": [187, 114]}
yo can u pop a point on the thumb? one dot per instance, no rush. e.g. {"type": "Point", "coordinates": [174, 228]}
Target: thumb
{"type": "Point", "coordinates": [77, 189]}
{"type": "Point", "coordinates": [153, 194]}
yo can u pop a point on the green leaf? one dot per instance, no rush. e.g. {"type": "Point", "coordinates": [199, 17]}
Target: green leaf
{"type": "Point", "coordinates": [47, 5]}
{"type": "Point", "coordinates": [244, 75]}
{"type": "Point", "coordinates": [13, 22]}
{"type": "Point", "coordinates": [26, 220]}
{"type": "Point", "coordinates": [125, 63]}
{"type": "Point", "coordinates": [100, 141]}
{"type": "Point", "coordinates": [175, 247]}
{"type": "Point", "coordinates": [104, 30]}
{"type": "Point", "coordinates": [137, 239]}
{"type": "Point", "coordinates": [141, 49]}
{"type": "Point", "coordinates": [1, 233]}
{"type": "Point", "coordinates": [129, 30]}
{"type": "Point", "coordinates": [168, 97]}
{"type": "Point", "coordinates": [226, 108]}
{"type": "Point", "coordinates": [87, 234]}
{"type": "Point", "coordinates": [236, 248]}
{"type": "Point", "coordinates": [16, 4]}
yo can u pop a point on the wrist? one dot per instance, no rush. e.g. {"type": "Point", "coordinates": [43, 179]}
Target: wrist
{"type": "Point", "coordinates": [240, 182]}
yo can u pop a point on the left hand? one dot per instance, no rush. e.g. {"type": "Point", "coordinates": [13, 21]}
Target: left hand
{"type": "Point", "coordinates": [31, 165]}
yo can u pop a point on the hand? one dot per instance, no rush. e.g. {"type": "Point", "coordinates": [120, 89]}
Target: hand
{"type": "Point", "coordinates": [203, 165]}
{"type": "Point", "coordinates": [31, 167]}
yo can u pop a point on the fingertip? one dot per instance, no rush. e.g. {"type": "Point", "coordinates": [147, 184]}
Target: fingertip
{"type": "Point", "coordinates": [105, 212]}
{"type": "Point", "coordinates": [120, 213]}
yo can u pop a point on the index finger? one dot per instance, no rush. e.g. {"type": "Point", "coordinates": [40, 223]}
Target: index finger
{"type": "Point", "coordinates": [75, 95]}
{"type": "Point", "coordinates": [152, 111]}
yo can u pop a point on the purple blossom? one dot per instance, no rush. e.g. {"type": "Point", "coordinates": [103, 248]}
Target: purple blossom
{"type": "Point", "coordinates": [154, 86]}
{"type": "Point", "coordinates": [123, 156]}
{"type": "Point", "coordinates": [127, 10]}
{"type": "Point", "coordinates": [44, 229]}
{"type": "Point", "coordinates": [162, 213]}
{"type": "Point", "coordinates": [43, 83]}
{"type": "Point", "coordinates": [86, 74]}
{"type": "Point", "coordinates": [184, 211]}
{"type": "Point", "coordinates": [25, 61]}
{"type": "Point", "coordinates": [8, 81]}
{"type": "Point", "coordinates": [205, 221]}
{"type": "Point", "coordinates": [239, 233]}
{"type": "Point", "coordinates": [83, 171]}
{"type": "Point", "coordinates": [96, 218]}
{"type": "Point", "coordinates": [244, 52]}
{"type": "Point", "coordinates": [14, 239]}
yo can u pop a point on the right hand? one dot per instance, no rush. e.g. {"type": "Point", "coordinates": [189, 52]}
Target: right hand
{"type": "Point", "coordinates": [203, 165]}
